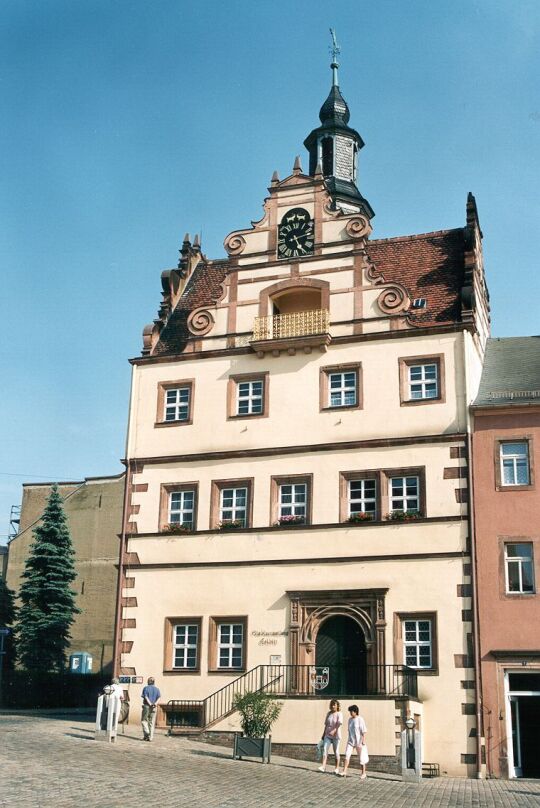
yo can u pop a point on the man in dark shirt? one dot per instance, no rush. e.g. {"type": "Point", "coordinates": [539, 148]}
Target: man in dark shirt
{"type": "Point", "coordinates": [150, 697]}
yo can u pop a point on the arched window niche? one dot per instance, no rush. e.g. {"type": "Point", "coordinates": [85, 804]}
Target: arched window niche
{"type": "Point", "coordinates": [293, 314]}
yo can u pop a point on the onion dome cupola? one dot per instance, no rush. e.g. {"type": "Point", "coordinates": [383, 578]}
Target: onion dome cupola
{"type": "Point", "coordinates": [334, 145]}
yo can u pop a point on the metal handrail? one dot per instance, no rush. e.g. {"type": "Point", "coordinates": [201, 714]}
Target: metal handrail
{"type": "Point", "coordinates": [291, 680]}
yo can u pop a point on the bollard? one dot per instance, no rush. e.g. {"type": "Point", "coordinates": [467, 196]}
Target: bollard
{"type": "Point", "coordinates": [107, 715]}
{"type": "Point", "coordinates": [411, 753]}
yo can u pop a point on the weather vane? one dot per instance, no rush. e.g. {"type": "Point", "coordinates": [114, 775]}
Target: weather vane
{"type": "Point", "coordinates": [335, 50]}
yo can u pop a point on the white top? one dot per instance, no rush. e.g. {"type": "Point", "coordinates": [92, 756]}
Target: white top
{"type": "Point", "coordinates": [333, 721]}
{"type": "Point", "coordinates": [357, 728]}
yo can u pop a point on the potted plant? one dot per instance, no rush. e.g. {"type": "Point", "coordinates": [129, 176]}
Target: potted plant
{"type": "Point", "coordinates": [231, 524]}
{"type": "Point", "coordinates": [404, 516]}
{"type": "Point", "coordinates": [360, 516]}
{"type": "Point", "coordinates": [258, 711]}
{"type": "Point", "coordinates": [284, 521]}
{"type": "Point", "coordinates": [177, 528]}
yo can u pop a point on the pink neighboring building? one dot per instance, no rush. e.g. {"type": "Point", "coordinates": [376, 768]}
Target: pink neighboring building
{"type": "Point", "coordinates": [506, 462]}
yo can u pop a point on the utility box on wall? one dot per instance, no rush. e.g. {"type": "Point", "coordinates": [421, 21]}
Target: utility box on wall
{"type": "Point", "coordinates": [80, 662]}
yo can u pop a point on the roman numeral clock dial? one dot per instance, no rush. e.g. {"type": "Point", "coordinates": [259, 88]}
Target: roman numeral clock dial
{"type": "Point", "coordinates": [295, 234]}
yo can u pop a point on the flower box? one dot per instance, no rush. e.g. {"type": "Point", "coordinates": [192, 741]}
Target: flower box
{"type": "Point", "coordinates": [177, 528]}
{"type": "Point", "coordinates": [285, 521]}
{"type": "Point", "coordinates": [361, 516]}
{"type": "Point", "coordinates": [231, 524]}
{"type": "Point", "coordinates": [404, 516]}
{"type": "Point", "coordinates": [252, 747]}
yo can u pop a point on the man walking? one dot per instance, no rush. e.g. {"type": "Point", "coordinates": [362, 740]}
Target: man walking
{"type": "Point", "coordinates": [150, 697]}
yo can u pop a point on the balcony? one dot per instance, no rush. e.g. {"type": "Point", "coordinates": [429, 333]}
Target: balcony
{"type": "Point", "coordinates": [298, 330]}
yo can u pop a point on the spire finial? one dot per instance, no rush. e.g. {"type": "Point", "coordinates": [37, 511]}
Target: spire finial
{"type": "Point", "coordinates": [335, 50]}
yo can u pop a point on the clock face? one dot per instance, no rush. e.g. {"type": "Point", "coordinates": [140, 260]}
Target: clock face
{"type": "Point", "coordinates": [295, 234]}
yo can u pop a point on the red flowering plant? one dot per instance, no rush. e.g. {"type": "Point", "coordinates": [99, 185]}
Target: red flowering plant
{"type": "Point", "coordinates": [361, 516]}
{"type": "Point", "coordinates": [231, 524]}
{"type": "Point", "coordinates": [404, 516]}
{"type": "Point", "coordinates": [178, 528]}
{"type": "Point", "coordinates": [291, 520]}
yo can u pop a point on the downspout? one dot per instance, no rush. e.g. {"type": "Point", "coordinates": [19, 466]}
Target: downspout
{"type": "Point", "coordinates": [123, 539]}
{"type": "Point", "coordinates": [474, 595]}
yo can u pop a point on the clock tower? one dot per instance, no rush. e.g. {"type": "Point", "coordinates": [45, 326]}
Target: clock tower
{"type": "Point", "coordinates": [335, 146]}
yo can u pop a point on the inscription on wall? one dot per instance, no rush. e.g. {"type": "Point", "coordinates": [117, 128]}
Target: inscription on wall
{"type": "Point", "coordinates": [269, 637]}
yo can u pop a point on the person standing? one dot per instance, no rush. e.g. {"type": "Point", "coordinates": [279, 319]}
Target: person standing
{"type": "Point", "coordinates": [332, 734]}
{"type": "Point", "coordinates": [356, 741]}
{"type": "Point", "coordinates": [150, 698]}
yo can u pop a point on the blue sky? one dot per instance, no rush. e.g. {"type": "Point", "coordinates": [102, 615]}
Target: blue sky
{"type": "Point", "coordinates": [128, 123]}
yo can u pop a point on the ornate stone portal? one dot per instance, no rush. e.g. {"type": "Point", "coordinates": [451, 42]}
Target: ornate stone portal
{"type": "Point", "coordinates": [309, 609]}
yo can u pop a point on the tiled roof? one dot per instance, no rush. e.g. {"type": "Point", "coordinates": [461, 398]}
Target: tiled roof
{"type": "Point", "coordinates": [429, 265]}
{"type": "Point", "coordinates": [511, 372]}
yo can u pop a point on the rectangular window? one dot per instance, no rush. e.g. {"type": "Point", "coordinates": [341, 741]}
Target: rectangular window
{"type": "Point", "coordinates": [342, 389]}
{"type": "Point", "coordinates": [230, 642]}
{"type": "Point", "coordinates": [519, 568]}
{"type": "Point", "coordinates": [177, 400]}
{"type": "Point", "coordinates": [417, 643]}
{"type": "Point", "coordinates": [293, 500]}
{"type": "Point", "coordinates": [182, 508]}
{"type": "Point", "coordinates": [423, 381]}
{"type": "Point", "coordinates": [514, 459]}
{"type": "Point", "coordinates": [250, 398]}
{"type": "Point", "coordinates": [185, 645]}
{"type": "Point", "coordinates": [362, 496]}
{"type": "Point", "coordinates": [233, 503]}
{"type": "Point", "coordinates": [404, 494]}
{"type": "Point", "coordinates": [340, 386]}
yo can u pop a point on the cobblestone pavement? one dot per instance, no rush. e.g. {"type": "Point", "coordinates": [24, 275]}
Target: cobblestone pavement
{"type": "Point", "coordinates": [54, 761]}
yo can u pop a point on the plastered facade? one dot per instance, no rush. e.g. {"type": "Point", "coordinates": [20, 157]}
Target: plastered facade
{"type": "Point", "coordinates": [415, 568]}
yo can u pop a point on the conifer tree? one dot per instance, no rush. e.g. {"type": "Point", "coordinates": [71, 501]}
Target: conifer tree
{"type": "Point", "coordinates": [8, 613]}
{"type": "Point", "coordinates": [48, 606]}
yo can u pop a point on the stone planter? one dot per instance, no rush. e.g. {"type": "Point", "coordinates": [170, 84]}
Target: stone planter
{"type": "Point", "coordinates": [252, 747]}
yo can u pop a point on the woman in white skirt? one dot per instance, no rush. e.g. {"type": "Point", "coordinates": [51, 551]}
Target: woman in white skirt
{"type": "Point", "coordinates": [356, 740]}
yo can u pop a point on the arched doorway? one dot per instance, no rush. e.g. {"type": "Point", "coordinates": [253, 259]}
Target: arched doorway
{"type": "Point", "coordinates": [341, 646]}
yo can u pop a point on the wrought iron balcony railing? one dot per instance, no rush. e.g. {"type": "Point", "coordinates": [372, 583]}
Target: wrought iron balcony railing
{"type": "Point", "coordinates": [295, 324]}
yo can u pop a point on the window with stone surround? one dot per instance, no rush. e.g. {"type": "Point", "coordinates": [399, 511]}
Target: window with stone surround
{"type": "Point", "coordinates": [290, 499]}
{"type": "Point", "coordinates": [182, 645]}
{"type": "Point", "coordinates": [175, 403]}
{"type": "Point", "coordinates": [519, 568]}
{"type": "Point", "coordinates": [247, 395]}
{"type": "Point", "coordinates": [178, 505]}
{"type": "Point", "coordinates": [382, 493]}
{"type": "Point", "coordinates": [227, 644]}
{"type": "Point", "coordinates": [421, 379]}
{"type": "Point", "coordinates": [231, 503]}
{"type": "Point", "coordinates": [514, 463]}
{"type": "Point", "coordinates": [340, 387]}
{"type": "Point", "coordinates": [415, 641]}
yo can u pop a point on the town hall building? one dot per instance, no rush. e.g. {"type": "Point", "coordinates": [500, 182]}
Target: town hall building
{"type": "Point", "coordinates": [297, 512]}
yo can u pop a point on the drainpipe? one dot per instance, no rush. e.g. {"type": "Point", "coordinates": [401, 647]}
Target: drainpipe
{"type": "Point", "coordinates": [117, 650]}
{"type": "Point", "coordinates": [474, 594]}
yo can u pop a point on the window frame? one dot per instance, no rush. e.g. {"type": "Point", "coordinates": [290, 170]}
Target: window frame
{"type": "Point", "coordinates": [324, 387]}
{"type": "Point", "coordinates": [217, 486]}
{"type": "Point", "coordinates": [500, 485]}
{"type": "Point", "coordinates": [406, 496]}
{"type": "Point", "coordinates": [345, 478]}
{"type": "Point", "coordinates": [290, 479]}
{"type": "Point", "coordinates": [415, 471]}
{"type": "Point", "coordinates": [169, 646]}
{"type": "Point", "coordinates": [399, 640]}
{"type": "Point", "coordinates": [213, 643]}
{"type": "Point", "coordinates": [405, 363]}
{"type": "Point", "coordinates": [164, 506]}
{"type": "Point", "coordinates": [232, 394]}
{"type": "Point", "coordinates": [163, 387]}
{"type": "Point", "coordinates": [518, 559]}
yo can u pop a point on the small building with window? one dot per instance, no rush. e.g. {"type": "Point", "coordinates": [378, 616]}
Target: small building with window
{"type": "Point", "coordinates": [297, 504]}
{"type": "Point", "coordinates": [506, 458]}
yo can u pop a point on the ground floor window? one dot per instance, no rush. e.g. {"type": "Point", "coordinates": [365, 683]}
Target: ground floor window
{"type": "Point", "coordinates": [185, 644]}
{"type": "Point", "coordinates": [417, 637]}
{"type": "Point", "coordinates": [227, 643]}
